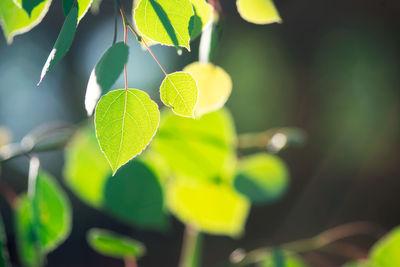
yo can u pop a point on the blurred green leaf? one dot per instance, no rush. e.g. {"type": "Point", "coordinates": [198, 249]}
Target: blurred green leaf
{"type": "Point", "coordinates": [15, 20]}
{"type": "Point", "coordinates": [83, 7]}
{"type": "Point", "coordinates": [203, 148]}
{"type": "Point", "coordinates": [280, 258]}
{"type": "Point", "coordinates": [263, 178]}
{"type": "Point", "coordinates": [86, 169]}
{"type": "Point", "coordinates": [258, 11]}
{"type": "Point", "coordinates": [105, 73]}
{"type": "Point", "coordinates": [386, 252]}
{"type": "Point", "coordinates": [63, 42]}
{"type": "Point", "coordinates": [165, 21]}
{"type": "Point", "coordinates": [202, 16]}
{"type": "Point", "coordinates": [126, 121]}
{"type": "Point", "coordinates": [114, 245]}
{"type": "Point", "coordinates": [179, 91]}
{"type": "Point", "coordinates": [135, 196]}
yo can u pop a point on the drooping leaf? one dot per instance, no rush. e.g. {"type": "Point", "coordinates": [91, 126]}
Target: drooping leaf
{"type": "Point", "coordinates": [15, 20]}
{"type": "Point", "coordinates": [54, 212]}
{"type": "Point", "coordinates": [29, 5]}
{"type": "Point", "coordinates": [165, 21]}
{"type": "Point", "coordinates": [3, 246]}
{"type": "Point", "coordinates": [105, 73]}
{"type": "Point", "coordinates": [115, 245]}
{"type": "Point", "coordinates": [280, 258]}
{"type": "Point", "coordinates": [201, 148]}
{"type": "Point", "coordinates": [215, 86]}
{"type": "Point", "coordinates": [63, 42]}
{"type": "Point", "coordinates": [179, 91]}
{"type": "Point", "coordinates": [258, 11]}
{"type": "Point", "coordinates": [126, 121]}
{"type": "Point", "coordinates": [202, 16]}
{"type": "Point", "coordinates": [209, 207]}
{"type": "Point", "coordinates": [86, 169]}
{"type": "Point", "coordinates": [263, 178]}
{"type": "Point", "coordinates": [83, 7]}
{"type": "Point", "coordinates": [386, 252]}
{"type": "Point", "coordinates": [135, 196]}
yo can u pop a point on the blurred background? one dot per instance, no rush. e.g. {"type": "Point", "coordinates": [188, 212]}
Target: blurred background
{"type": "Point", "coordinates": [332, 68]}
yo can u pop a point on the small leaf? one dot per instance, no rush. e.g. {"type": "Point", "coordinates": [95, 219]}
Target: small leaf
{"type": "Point", "coordinates": [63, 42]}
{"type": "Point", "coordinates": [165, 21]}
{"type": "Point", "coordinates": [115, 245]}
{"type": "Point", "coordinates": [263, 178]}
{"type": "Point", "coordinates": [207, 206]}
{"type": "Point", "coordinates": [15, 20]}
{"type": "Point", "coordinates": [135, 196]}
{"type": "Point", "coordinates": [258, 11]}
{"type": "Point", "coordinates": [202, 16]}
{"type": "Point", "coordinates": [126, 121]}
{"type": "Point", "coordinates": [83, 7]}
{"type": "Point", "coordinates": [105, 73]}
{"type": "Point", "coordinates": [215, 86]}
{"type": "Point", "coordinates": [282, 258]}
{"type": "Point", "coordinates": [179, 91]}
{"type": "Point", "coordinates": [386, 252]}
{"type": "Point", "coordinates": [29, 5]}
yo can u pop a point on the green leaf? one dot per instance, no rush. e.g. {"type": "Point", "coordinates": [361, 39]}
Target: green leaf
{"type": "Point", "coordinates": [207, 206]}
{"type": "Point", "coordinates": [201, 148]}
{"type": "Point", "coordinates": [115, 245]}
{"type": "Point", "coordinates": [63, 42]}
{"type": "Point", "coordinates": [86, 169]}
{"type": "Point", "coordinates": [26, 237]}
{"type": "Point", "coordinates": [83, 7]}
{"type": "Point", "coordinates": [54, 212]}
{"type": "Point", "coordinates": [135, 196]}
{"type": "Point", "coordinates": [386, 252]}
{"type": "Point", "coordinates": [15, 20]}
{"type": "Point", "coordinates": [179, 91]}
{"type": "Point", "coordinates": [126, 121]}
{"type": "Point", "coordinates": [263, 178]}
{"type": "Point", "coordinates": [3, 246]}
{"type": "Point", "coordinates": [29, 5]}
{"type": "Point", "coordinates": [202, 16]}
{"type": "Point", "coordinates": [280, 258]}
{"type": "Point", "coordinates": [258, 11]}
{"type": "Point", "coordinates": [165, 21]}
{"type": "Point", "coordinates": [105, 73]}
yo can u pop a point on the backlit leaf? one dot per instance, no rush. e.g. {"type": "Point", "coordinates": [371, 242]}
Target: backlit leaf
{"type": "Point", "coordinates": [263, 178]}
{"type": "Point", "coordinates": [386, 252]}
{"type": "Point", "coordinates": [215, 86]}
{"type": "Point", "coordinates": [126, 121]}
{"type": "Point", "coordinates": [105, 73]}
{"type": "Point", "coordinates": [179, 91]}
{"type": "Point", "coordinates": [165, 21]}
{"type": "Point", "coordinates": [83, 7]}
{"type": "Point", "coordinates": [258, 11]}
{"type": "Point", "coordinates": [15, 20]}
{"type": "Point", "coordinates": [63, 42]}
{"type": "Point", "coordinates": [114, 245]}
{"type": "Point", "coordinates": [202, 16]}
{"type": "Point", "coordinates": [29, 5]}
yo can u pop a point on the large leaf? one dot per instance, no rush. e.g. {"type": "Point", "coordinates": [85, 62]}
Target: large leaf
{"type": "Point", "coordinates": [202, 16]}
{"type": "Point", "coordinates": [258, 11]}
{"type": "Point", "coordinates": [15, 20]}
{"type": "Point", "coordinates": [201, 148]}
{"type": "Point", "coordinates": [179, 91]}
{"type": "Point", "coordinates": [63, 42]}
{"type": "Point", "coordinates": [263, 178]}
{"type": "Point", "coordinates": [209, 207]}
{"type": "Point", "coordinates": [105, 73]}
{"type": "Point", "coordinates": [126, 121]}
{"type": "Point", "coordinates": [386, 252]}
{"type": "Point", "coordinates": [135, 196]}
{"type": "Point", "coordinates": [115, 245]}
{"type": "Point", "coordinates": [83, 7]}
{"type": "Point", "coordinates": [215, 86]}
{"type": "Point", "coordinates": [54, 212]}
{"type": "Point", "coordinates": [86, 169]}
{"type": "Point", "coordinates": [165, 21]}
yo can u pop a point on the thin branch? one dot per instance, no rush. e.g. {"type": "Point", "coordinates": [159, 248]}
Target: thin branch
{"type": "Point", "coordinates": [130, 262]}
{"type": "Point", "coordinates": [190, 246]}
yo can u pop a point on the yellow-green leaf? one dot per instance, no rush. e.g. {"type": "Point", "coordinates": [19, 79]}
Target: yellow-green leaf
{"type": "Point", "coordinates": [386, 252]}
{"type": "Point", "coordinates": [126, 121]}
{"type": "Point", "coordinates": [165, 21]}
{"type": "Point", "coordinates": [215, 86]}
{"type": "Point", "coordinates": [83, 7]}
{"type": "Point", "coordinates": [258, 11]}
{"type": "Point", "coordinates": [15, 20]}
{"type": "Point", "coordinates": [179, 91]}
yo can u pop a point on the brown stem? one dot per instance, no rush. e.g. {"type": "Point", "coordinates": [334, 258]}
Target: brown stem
{"type": "Point", "coordinates": [130, 262]}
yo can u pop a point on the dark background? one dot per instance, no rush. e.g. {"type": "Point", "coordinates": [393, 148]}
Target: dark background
{"type": "Point", "coordinates": [331, 68]}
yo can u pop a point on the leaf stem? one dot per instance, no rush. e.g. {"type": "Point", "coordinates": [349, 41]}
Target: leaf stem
{"type": "Point", "coordinates": [190, 248]}
{"type": "Point", "coordinates": [130, 262]}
